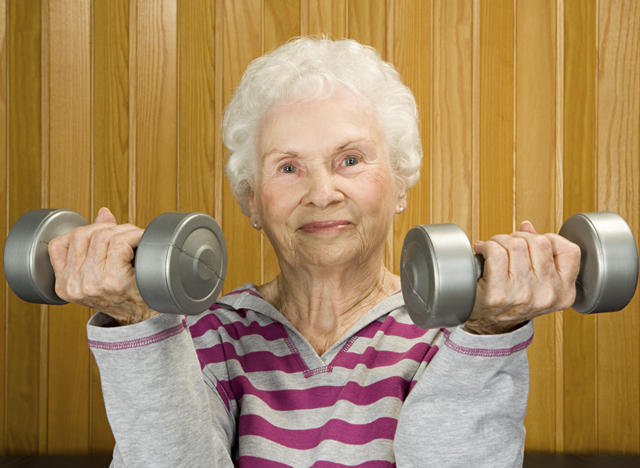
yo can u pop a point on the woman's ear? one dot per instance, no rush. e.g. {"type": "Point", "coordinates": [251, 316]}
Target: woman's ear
{"type": "Point", "coordinates": [254, 219]}
{"type": "Point", "coordinates": [401, 204]}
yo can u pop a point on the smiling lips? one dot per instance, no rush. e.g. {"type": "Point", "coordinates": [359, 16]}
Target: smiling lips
{"type": "Point", "coordinates": [325, 227]}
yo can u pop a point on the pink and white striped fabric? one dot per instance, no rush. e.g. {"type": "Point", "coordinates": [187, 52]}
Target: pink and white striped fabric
{"type": "Point", "coordinates": [291, 407]}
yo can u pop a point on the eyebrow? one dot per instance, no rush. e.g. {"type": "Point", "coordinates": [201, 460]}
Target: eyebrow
{"type": "Point", "coordinates": [295, 154]}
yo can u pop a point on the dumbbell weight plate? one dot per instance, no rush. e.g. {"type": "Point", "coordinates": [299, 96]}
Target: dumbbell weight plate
{"type": "Point", "coordinates": [608, 264]}
{"type": "Point", "coordinates": [438, 265]}
{"type": "Point", "coordinates": [27, 266]}
{"type": "Point", "coordinates": [181, 263]}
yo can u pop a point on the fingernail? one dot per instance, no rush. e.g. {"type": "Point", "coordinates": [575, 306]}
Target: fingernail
{"type": "Point", "coordinates": [103, 208]}
{"type": "Point", "coordinates": [527, 222]}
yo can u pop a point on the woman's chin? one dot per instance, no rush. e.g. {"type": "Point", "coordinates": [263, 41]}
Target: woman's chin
{"type": "Point", "coordinates": [327, 254]}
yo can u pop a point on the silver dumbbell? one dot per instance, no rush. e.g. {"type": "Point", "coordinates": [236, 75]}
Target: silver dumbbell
{"type": "Point", "coordinates": [180, 263]}
{"type": "Point", "coordinates": [439, 270]}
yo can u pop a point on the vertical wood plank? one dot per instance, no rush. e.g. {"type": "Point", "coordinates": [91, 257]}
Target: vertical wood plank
{"type": "Point", "coordinates": [618, 169]}
{"type": "Point", "coordinates": [111, 107]}
{"type": "Point", "coordinates": [3, 210]}
{"type": "Point", "coordinates": [281, 23]}
{"type": "Point", "coordinates": [496, 117]}
{"type": "Point", "coordinates": [23, 324]}
{"type": "Point", "coordinates": [69, 135]}
{"type": "Point", "coordinates": [110, 153]}
{"type": "Point", "coordinates": [154, 115]}
{"type": "Point", "coordinates": [452, 158]}
{"type": "Point", "coordinates": [242, 43]}
{"type": "Point", "coordinates": [579, 175]}
{"type": "Point", "coordinates": [197, 113]}
{"type": "Point", "coordinates": [411, 26]}
{"type": "Point", "coordinates": [367, 23]}
{"type": "Point", "coordinates": [218, 110]}
{"type": "Point", "coordinates": [535, 190]}
{"type": "Point", "coordinates": [326, 17]}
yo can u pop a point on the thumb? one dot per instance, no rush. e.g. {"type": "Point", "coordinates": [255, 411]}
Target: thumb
{"type": "Point", "coordinates": [105, 216]}
{"type": "Point", "coordinates": [526, 226]}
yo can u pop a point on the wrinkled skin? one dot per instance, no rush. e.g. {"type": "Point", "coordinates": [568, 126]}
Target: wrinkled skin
{"type": "Point", "coordinates": [326, 197]}
{"type": "Point", "coordinates": [93, 268]}
{"type": "Point", "coordinates": [525, 275]}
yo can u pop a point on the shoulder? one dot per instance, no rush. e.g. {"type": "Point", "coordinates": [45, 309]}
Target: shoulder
{"type": "Point", "coordinates": [234, 308]}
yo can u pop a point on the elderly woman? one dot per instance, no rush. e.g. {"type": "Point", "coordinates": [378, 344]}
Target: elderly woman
{"type": "Point", "coordinates": [322, 366]}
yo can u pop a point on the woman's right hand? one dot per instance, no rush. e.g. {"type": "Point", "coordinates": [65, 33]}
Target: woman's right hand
{"type": "Point", "coordinates": [93, 267]}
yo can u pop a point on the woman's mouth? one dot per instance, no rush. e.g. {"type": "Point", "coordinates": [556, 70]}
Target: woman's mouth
{"type": "Point", "coordinates": [325, 227]}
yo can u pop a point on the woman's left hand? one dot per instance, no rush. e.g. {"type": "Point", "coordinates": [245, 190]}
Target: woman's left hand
{"type": "Point", "coordinates": [525, 275]}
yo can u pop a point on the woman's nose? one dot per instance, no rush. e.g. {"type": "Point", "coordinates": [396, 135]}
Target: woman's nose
{"type": "Point", "coordinates": [322, 190]}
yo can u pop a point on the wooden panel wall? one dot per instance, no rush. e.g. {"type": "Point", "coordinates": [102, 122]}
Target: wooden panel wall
{"type": "Point", "coordinates": [529, 109]}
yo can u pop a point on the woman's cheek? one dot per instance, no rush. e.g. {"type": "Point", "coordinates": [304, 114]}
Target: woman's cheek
{"type": "Point", "coordinates": [279, 198]}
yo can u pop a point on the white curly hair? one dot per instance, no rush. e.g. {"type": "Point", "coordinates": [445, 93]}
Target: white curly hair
{"type": "Point", "coordinates": [311, 68]}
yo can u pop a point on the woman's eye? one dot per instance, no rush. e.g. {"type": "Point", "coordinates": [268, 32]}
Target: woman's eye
{"type": "Point", "coordinates": [288, 168]}
{"type": "Point", "coordinates": [351, 161]}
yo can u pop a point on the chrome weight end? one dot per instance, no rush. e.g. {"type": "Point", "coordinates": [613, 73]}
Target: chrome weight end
{"type": "Point", "coordinates": [608, 264]}
{"type": "Point", "coordinates": [438, 275]}
{"type": "Point", "coordinates": [181, 263]}
{"type": "Point", "coordinates": [26, 262]}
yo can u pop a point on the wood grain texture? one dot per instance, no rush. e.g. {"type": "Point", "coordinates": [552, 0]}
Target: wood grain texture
{"type": "Point", "coordinates": [3, 211]}
{"type": "Point", "coordinates": [110, 182]}
{"type": "Point", "coordinates": [197, 113]}
{"type": "Point", "coordinates": [496, 117]}
{"type": "Point", "coordinates": [325, 17]}
{"type": "Point", "coordinates": [580, 415]}
{"type": "Point", "coordinates": [483, 75]}
{"type": "Point", "coordinates": [452, 157]}
{"type": "Point", "coordinates": [154, 115]}
{"type": "Point", "coordinates": [367, 23]}
{"type": "Point", "coordinates": [414, 64]}
{"type": "Point", "coordinates": [281, 23]}
{"type": "Point", "coordinates": [111, 107]}
{"type": "Point", "coordinates": [242, 43]}
{"type": "Point", "coordinates": [68, 111]}
{"type": "Point", "coordinates": [535, 177]}
{"type": "Point", "coordinates": [618, 169]}
{"type": "Point", "coordinates": [22, 418]}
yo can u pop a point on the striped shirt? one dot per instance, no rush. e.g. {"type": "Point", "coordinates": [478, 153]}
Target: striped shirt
{"type": "Point", "coordinates": [244, 388]}
{"type": "Point", "coordinates": [291, 407]}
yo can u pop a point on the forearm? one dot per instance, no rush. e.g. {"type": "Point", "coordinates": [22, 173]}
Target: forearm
{"type": "Point", "coordinates": [468, 407]}
{"type": "Point", "coordinates": [161, 411]}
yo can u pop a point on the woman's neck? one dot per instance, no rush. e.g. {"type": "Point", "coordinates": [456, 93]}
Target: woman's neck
{"type": "Point", "coordinates": [324, 304]}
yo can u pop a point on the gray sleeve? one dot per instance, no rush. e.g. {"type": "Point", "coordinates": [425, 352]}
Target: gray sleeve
{"type": "Point", "coordinates": [161, 410]}
{"type": "Point", "coordinates": [468, 407]}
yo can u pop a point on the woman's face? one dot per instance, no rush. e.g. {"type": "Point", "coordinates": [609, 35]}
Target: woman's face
{"type": "Point", "coordinates": [325, 194]}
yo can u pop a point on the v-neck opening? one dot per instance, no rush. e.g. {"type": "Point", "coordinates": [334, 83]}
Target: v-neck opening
{"type": "Point", "coordinates": [303, 352]}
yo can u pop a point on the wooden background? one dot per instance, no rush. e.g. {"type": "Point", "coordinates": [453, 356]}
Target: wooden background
{"type": "Point", "coordinates": [530, 109]}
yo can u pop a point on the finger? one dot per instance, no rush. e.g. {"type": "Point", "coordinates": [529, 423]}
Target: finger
{"type": "Point", "coordinates": [566, 256]}
{"type": "Point", "coordinates": [105, 216]}
{"type": "Point", "coordinates": [519, 266]}
{"type": "Point", "coordinates": [540, 255]}
{"type": "Point", "coordinates": [99, 245]}
{"type": "Point", "coordinates": [526, 226]}
{"type": "Point", "coordinates": [78, 241]}
{"type": "Point", "coordinates": [58, 251]}
{"type": "Point", "coordinates": [120, 252]}
{"type": "Point", "coordinates": [496, 266]}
